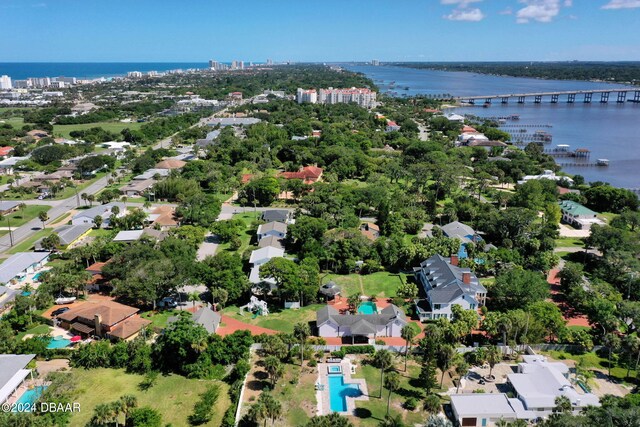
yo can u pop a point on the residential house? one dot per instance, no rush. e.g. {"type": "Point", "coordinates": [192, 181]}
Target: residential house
{"type": "Point", "coordinates": [387, 323]}
{"type": "Point", "coordinates": [105, 211]}
{"type": "Point", "coordinates": [546, 174]}
{"type": "Point", "coordinates": [330, 290]}
{"type": "Point", "coordinates": [68, 234]}
{"type": "Point", "coordinates": [392, 126]}
{"type": "Point", "coordinates": [482, 410]}
{"type": "Point", "coordinates": [577, 215]}
{"type": "Point", "coordinates": [128, 236]}
{"type": "Point", "coordinates": [8, 206]}
{"type": "Point", "coordinates": [464, 233]}
{"type": "Point", "coordinates": [163, 216]}
{"type": "Point", "coordinates": [5, 151]}
{"type": "Point", "coordinates": [137, 188]}
{"type": "Point", "coordinates": [233, 121]}
{"type": "Point", "coordinates": [273, 228]}
{"type": "Point", "coordinates": [107, 319]}
{"type": "Point", "coordinates": [170, 164]}
{"type": "Point", "coordinates": [271, 241]}
{"type": "Point", "coordinates": [259, 257]}
{"type": "Point", "coordinates": [17, 266]}
{"type": "Point", "coordinates": [445, 285]}
{"type": "Point", "coordinates": [152, 173]}
{"type": "Point", "coordinates": [279, 215]}
{"type": "Point", "coordinates": [13, 373]}
{"type": "Point", "coordinates": [7, 166]}
{"type": "Point", "coordinates": [308, 174]}
{"type": "Point", "coordinates": [204, 316]}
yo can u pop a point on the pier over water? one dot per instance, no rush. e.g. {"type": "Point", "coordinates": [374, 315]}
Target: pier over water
{"type": "Point", "coordinates": [586, 96]}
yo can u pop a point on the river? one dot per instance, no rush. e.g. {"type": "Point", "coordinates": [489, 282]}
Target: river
{"type": "Point", "coordinates": [608, 130]}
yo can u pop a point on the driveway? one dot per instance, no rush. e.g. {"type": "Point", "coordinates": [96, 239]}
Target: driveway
{"type": "Point", "coordinates": [208, 247]}
{"type": "Point", "coordinates": [572, 232]}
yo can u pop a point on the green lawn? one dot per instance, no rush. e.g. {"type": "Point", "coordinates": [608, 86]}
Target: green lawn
{"type": "Point", "coordinates": [15, 122]}
{"type": "Point", "coordinates": [27, 244]}
{"type": "Point", "coordinates": [22, 216]}
{"type": "Point", "coordinates": [172, 395]}
{"type": "Point", "coordinates": [382, 284]}
{"type": "Point", "coordinates": [247, 235]}
{"type": "Point", "coordinates": [592, 360]}
{"type": "Point", "coordinates": [36, 330]}
{"type": "Point", "coordinates": [567, 242]}
{"type": "Point", "coordinates": [116, 127]}
{"type": "Point", "coordinates": [159, 318]}
{"type": "Point", "coordinates": [607, 216]}
{"type": "Point", "coordinates": [278, 319]}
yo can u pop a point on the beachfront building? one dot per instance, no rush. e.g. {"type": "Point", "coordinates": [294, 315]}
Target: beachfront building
{"type": "Point", "coordinates": [577, 215]}
{"type": "Point", "coordinates": [445, 285]}
{"type": "Point", "coordinates": [17, 266]}
{"type": "Point", "coordinates": [13, 373]}
{"type": "Point", "coordinates": [387, 323]}
{"type": "Point", "coordinates": [546, 174]}
{"type": "Point", "coordinates": [306, 96]}
{"type": "Point", "coordinates": [362, 96]}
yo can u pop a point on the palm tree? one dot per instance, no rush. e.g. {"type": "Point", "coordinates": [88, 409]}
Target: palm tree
{"type": "Point", "coordinates": [461, 370]}
{"type": "Point", "coordinates": [258, 412]}
{"type": "Point", "coordinates": [43, 217]}
{"type": "Point", "coordinates": [437, 421]}
{"type": "Point", "coordinates": [494, 356]}
{"type": "Point", "coordinates": [273, 408]}
{"type": "Point", "coordinates": [301, 331]}
{"type": "Point", "coordinates": [128, 402]}
{"type": "Point", "coordinates": [383, 359]}
{"type": "Point", "coordinates": [444, 360]}
{"type": "Point", "coordinates": [102, 414]}
{"type": "Point", "coordinates": [124, 200]}
{"type": "Point", "coordinates": [91, 198]}
{"type": "Point", "coordinates": [194, 297]}
{"type": "Point", "coordinates": [274, 368]}
{"type": "Point", "coordinates": [391, 421]}
{"type": "Point", "coordinates": [84, 197]}
{"type": "Point", "coordinates": [391, 383]}
{"type": "Point", "coordinates": [432, 404]}
{"type": "Point", "coordinates": [408, 333]}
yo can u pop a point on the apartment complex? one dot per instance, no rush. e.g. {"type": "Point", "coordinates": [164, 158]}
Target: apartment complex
{"type": "Point", "coordinates": [362, 96]}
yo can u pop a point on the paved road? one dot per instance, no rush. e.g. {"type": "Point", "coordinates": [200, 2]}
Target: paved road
{"type": "Point", "coordinates": [61, 206]}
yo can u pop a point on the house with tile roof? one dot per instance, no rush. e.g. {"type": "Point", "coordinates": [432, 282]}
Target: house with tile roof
{"type": "Point", "coordinates": [308, 174]}
{"type": "Point", "coordinates": [445, 284]}
{"type": "Point", "coordinates": [388, 322]}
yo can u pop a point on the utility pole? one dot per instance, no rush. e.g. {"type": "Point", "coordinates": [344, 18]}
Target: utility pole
{"type": "Point", "coordinates": [10, 233]}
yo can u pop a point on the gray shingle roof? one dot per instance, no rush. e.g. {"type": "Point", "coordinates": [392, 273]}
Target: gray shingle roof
{"type": "Point", "coordinates": [102, 210]}
{"type": "Point", "coordinates": [277, 226]}
{"type": "Point", "coordinates": [446, 280]}
{"type": "Point", "coordinates": [281, 215]}
{"type": "Point", "coordinates": [386, 316]}
{"type": "Point", "coordinates": [457, 229]}
{"type": "Point", "coordinates": [270, 241]}
{"type": "Point", "coordinates": [208, 318]}
{"type": "Point", "coordinates": [18, 263]}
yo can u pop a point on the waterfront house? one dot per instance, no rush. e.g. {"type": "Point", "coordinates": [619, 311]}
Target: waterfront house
{"type": "Point", "coordinates": [445, 285]}
{"type": "Point", "coordinates": [387, 323]}
{"type": "Point", "coordinates": [577, 215]}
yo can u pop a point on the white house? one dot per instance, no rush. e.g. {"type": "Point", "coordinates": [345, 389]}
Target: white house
{"type": "Point", "coordinates": [259, 257]}
{"type": "Point", "coordinates": [13, 373]}
{"type": "Point", "coordinates": [481, 410]}
{"type": "Point", "coordinates": [105, 211]}
{"type": "Point", "coordinates": [577, 215]}
{"type": "Point", "coordinates": [546, 174]}
{"type": "Point", "coordinates": [17, 266]}
{"type": "Point", "coordinates": [445, 285]}
{"type": "Point", "coordinates": [387, 323]}
{"type": "Point", "coordinates": [273, 228]}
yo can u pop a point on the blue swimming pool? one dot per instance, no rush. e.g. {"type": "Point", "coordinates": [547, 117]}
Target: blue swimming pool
{"type": "Point", "coordinates": [36, 277]}
{"type": "Point", "coordinates": [368, 307]}
{"type": "Point", "coordinates": [30, 396]}
{"type": "Point", "coordinates": [59, 342]}
{"type": "Point", "coordinates": [339, 391]}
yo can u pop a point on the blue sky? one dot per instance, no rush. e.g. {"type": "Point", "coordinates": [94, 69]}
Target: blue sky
{"type": "Point", "coordinates": [318, 30]}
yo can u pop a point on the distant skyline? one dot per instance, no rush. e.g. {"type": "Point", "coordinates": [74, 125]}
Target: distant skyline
{"type": "Point", "coordinates": [328, 30]}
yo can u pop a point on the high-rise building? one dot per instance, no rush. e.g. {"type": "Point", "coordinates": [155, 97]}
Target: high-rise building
{"type": "Point", "coordinates": [134, 74]}
{"type": "Point", "coordinates": [5, 82]}
{"type": "Point", "coordinates": [307, 95]}
{"type": "Point", "coordinates": [375, 62]}
{"type": "Point", "coordinates": [269, 62]}
{"type": "Point", "coordinates": [362, 96]}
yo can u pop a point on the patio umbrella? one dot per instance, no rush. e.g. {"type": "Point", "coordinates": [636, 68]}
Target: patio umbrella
{"type": "Point", "coordinates": [76, 338]}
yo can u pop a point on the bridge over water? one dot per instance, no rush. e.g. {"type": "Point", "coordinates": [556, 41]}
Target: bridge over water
{"type": "Point", "coordinates": [586, 96]}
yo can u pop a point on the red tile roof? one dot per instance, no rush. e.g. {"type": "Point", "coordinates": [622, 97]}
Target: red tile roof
{"type": "Point", "coordinates": [309, 174]}
{"type": "Point", "coordinates": [5, 150]}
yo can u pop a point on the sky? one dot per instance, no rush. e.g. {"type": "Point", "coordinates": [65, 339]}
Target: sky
{"type": "Point", "coordinates": [318, 30]}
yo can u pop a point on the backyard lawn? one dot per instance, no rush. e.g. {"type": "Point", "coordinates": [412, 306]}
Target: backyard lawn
{"type": "Point", "coordinates": [592, 360]}
{"type": "Point", "coordinates": [36, 330]}
{"type": "Point", "coordinates": [115, 127]}
{"type": "Point", "coordinates": [247, 234]}
{"type": "Point", "coordinates": [172, 395]}
{"type": "Point", "coordinates": [278, 319]}
{"type": "Point", "coordinates": [381, 285]}
{"type": "Point", "coordinates": [159, 318]}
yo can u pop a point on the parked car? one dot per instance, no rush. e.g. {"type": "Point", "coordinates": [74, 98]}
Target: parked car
{"type": "Point", "coordinates": [168, 302]}
{"type": "Point", "coordinates": [59, 311]}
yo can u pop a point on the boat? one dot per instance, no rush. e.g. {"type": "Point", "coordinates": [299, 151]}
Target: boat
{"type": "Point", "coordinates": [65, 300]}
{"type": "Point", "coordinates": [514, 117]}
{"type": "Point", "coordinates": [602, 162]}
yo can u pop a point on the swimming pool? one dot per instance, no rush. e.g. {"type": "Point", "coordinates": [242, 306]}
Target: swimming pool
{"type": "Point", "coordinates": [36, 277]}
{"type": "Point", "coordinates": [30, 396]}
{"type": "Point", "coordinates": [368, 307]}
{"type": "Point", "coordinates": [59, 342]}
{"type": "Point", "coordinates": [339, 391]}
{"type": "Point", "coordinates": [334, 369]}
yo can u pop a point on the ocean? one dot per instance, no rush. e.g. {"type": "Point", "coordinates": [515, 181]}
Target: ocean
{"type": "Point", "coordinates": [607, 130]}
{"type": "Point", "coordinates": [88, 70]}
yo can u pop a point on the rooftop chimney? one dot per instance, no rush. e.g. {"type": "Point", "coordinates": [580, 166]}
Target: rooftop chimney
{"type": "Point", "coordinates": [454, 260]}
{"type": "Point", "coordinates": [97, 320]}
{"type": "Point", "coordinates": [466, 277]}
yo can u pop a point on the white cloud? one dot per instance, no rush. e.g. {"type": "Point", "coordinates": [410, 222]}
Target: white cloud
{"type": "Point", "coordinates": [506, 11]}
{"type": "Point", "coordinates": [538, 10]}
{"type": "Point", "coordinates": [622, 4]}
{"type": "Point", "coordinates": [469, 15]}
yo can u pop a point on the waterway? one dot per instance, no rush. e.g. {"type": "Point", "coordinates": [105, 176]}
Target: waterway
{"type": "Point", "coordinates": [609, 130]}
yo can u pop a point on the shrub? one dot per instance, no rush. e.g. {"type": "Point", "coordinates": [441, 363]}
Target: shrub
{"type": "Point", "coordinates": [312, 363]}
{"type": "Point", "coordinates": [410, 404]}
{"type": "Point", "coordinates": [144, 417]}
{"type": "Point", "coordinates": [203, 409]}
